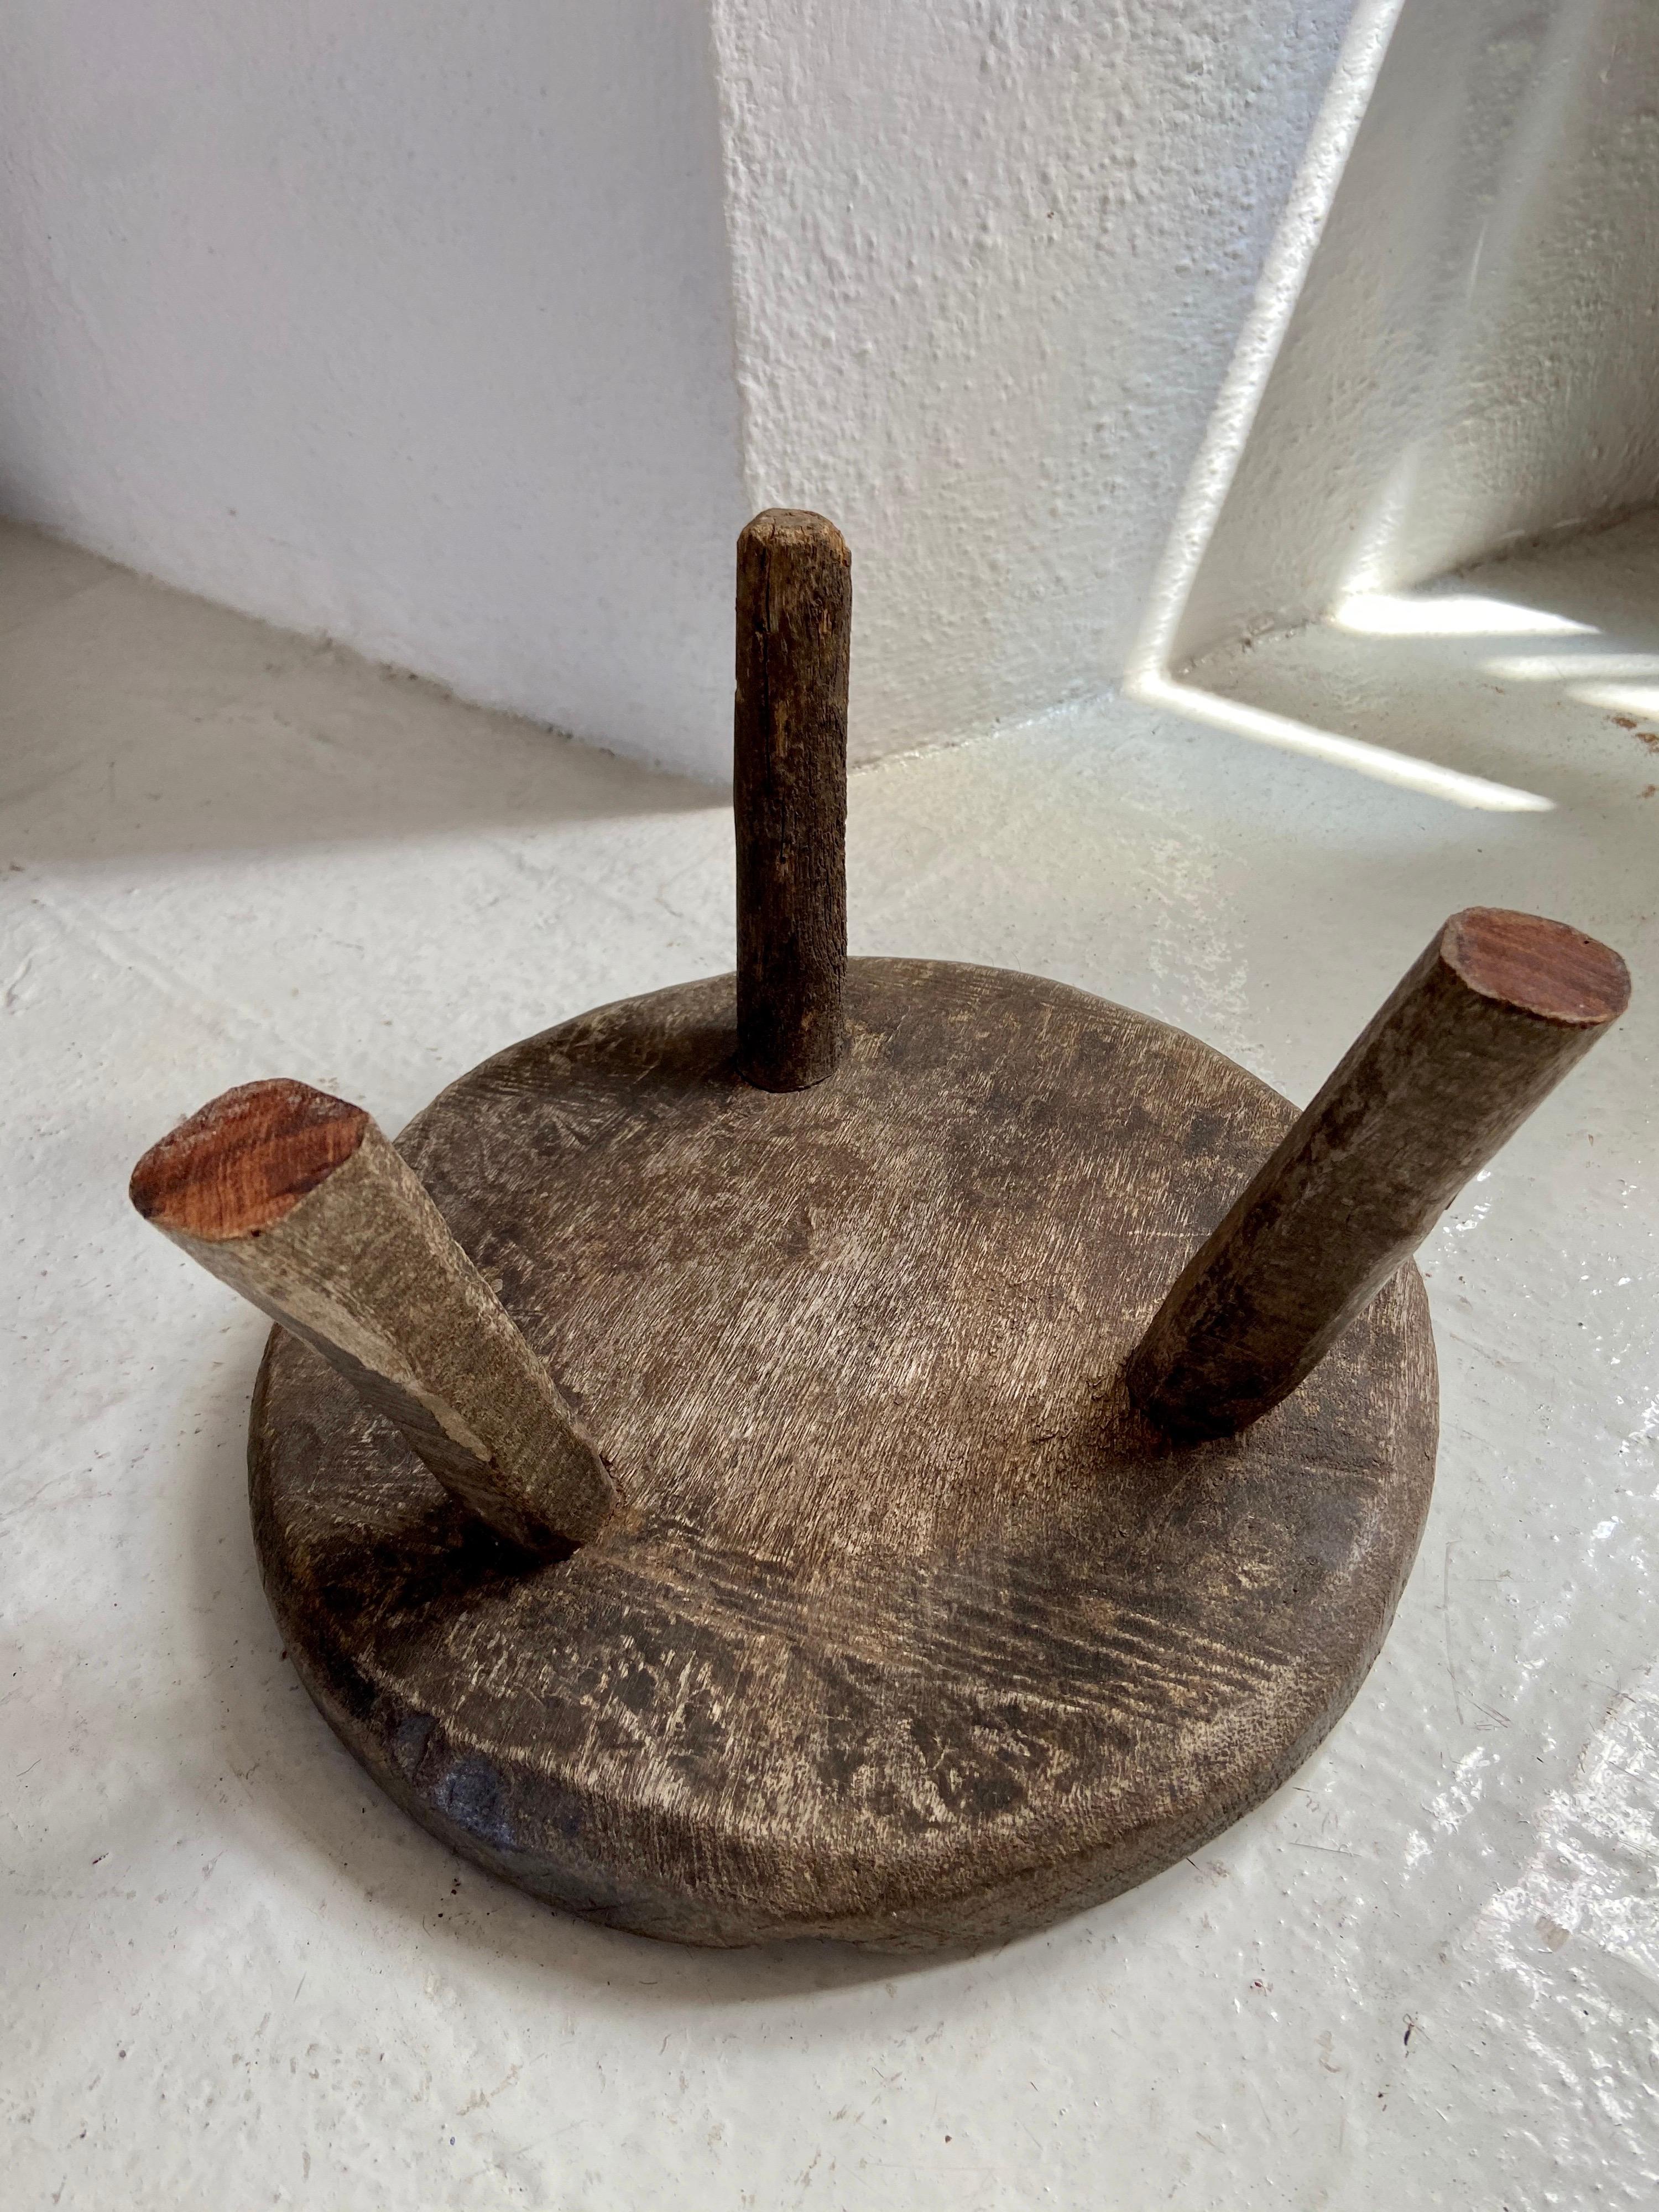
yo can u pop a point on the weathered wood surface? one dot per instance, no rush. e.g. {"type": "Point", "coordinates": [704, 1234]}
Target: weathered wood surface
{"type": "Point", "coordinates": [911, 1631]}
{"type": "Point", "coordinates": [1498, 1008]}
{"type": "Point", "coordinates": [789, 796]}
{"type": "Point", "coordinates": [294, 1199]}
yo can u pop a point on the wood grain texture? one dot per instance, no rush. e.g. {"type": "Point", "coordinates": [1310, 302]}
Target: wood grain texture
{"type": "Point", "coordinates": [246, 1160]}
{"type": "Point", "coordinates": [789, 796]}
{"type": "Point", "coordinates": [912, 1631]}
{"type": "Point", "coordinates": [1499, 1007]}
{"type": "Point", "coordinates": [294, 1199]}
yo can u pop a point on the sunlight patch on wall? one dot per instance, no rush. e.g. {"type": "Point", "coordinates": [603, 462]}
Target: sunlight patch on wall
{"type": "Point", "coordinates": [1567, 668]}
{"type": "Point", "coordinates": [1277, 289]}
{"type": "Point", "coordinates": [1619, 698]}
{"type": "Point", "coordinates": [1450, 614]}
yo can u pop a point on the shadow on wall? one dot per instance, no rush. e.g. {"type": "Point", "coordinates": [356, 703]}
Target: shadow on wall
{"type": "Point", "coordinates": [1473, 358]}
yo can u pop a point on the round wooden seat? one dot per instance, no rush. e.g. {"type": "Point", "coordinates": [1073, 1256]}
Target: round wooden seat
{"type": "Point", "coordinates": [909, 1629]}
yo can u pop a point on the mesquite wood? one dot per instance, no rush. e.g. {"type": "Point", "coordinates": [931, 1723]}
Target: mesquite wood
{"type": "Point", "coordinates": [295, 1199]}
{"type": "Point", "coordinates": [959, 1570]}
{"type": "Point", "coordinates": [789, 774]}
{"type": "Point", "coordinates": [1496, 1012]}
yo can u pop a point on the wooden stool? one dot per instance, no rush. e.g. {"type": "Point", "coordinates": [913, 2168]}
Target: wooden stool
{"type": "Point", "coordinates": [883, 1449]}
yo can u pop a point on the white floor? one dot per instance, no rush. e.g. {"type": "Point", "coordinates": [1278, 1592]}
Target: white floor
{"type": "Point", "coordinates": [1426, 1974]}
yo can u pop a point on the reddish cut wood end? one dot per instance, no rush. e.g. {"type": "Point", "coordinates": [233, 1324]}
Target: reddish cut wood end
{"type": "Point", "coordinates": [1538, 966]}
{"type": "Point", "coordinates": [246, 1160]}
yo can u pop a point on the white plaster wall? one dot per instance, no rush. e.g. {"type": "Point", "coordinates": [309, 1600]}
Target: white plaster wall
{"type": "Point", "coordinates": [416, 325]}
{"type": "Point", "coordinates": [991, 259]}
{"type": "Point", "coordinates": [408, 323]}
{"type": "Point", "coordinates": [1475, 358]}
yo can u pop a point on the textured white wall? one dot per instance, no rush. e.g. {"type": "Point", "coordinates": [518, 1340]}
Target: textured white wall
{"type": "Point", "coordinates": [991, 259]}
{"type": "Point", "coordinates": [416, 325]}
{"type": "Point", "coordinates": [410, 324]}
{"type": "Point", "coordinates": [1475, 358]}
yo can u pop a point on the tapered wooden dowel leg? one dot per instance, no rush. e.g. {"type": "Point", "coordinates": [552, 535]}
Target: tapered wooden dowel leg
{"type": "Point", "coordinates": [1488, 1021]}
{"type": "Point", "coordinates": [296, 1200]}
{"type": "Point", "coordinates": [794, 623]}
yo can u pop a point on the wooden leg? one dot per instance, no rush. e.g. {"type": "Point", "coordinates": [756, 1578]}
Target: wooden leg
{"type": "Point", "coordinates": [1486, 1023]}
{"type": "Point", "coordinates": [296, 1200]}
{"type": "Point", "coordinates": [794, 623]}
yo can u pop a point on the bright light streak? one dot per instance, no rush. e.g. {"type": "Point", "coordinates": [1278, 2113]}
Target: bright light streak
{"type": "Point", "coordinates": [1277, 289]}
{"type": "Point", "coordinates": [1619, 698]}
{"type": "Point", "coordinates": [1377, 762]}
{"type": "Point", "coordinates": [1571, 667]}
{"type": "Point", "coordinates": [1449, 614]}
